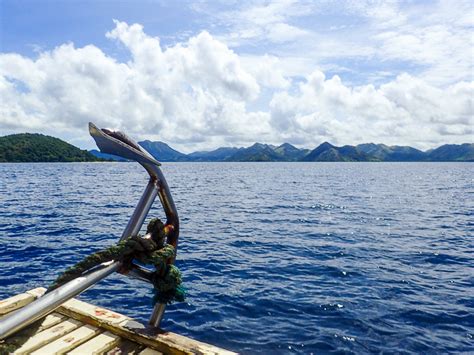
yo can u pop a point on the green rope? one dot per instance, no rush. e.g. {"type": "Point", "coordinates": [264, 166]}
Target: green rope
{"type": "Point", "coordinates": [166, 279]}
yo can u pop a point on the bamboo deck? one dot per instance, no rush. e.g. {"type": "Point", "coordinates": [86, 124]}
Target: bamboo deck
{"type": "Point", "coordinates": [80, 328]}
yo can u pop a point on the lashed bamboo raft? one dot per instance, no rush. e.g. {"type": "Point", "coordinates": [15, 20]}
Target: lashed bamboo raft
{"type": "Point", "coordinates": [80, 328]}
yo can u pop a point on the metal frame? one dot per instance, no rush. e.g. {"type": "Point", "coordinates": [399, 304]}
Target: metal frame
{"type": "Point", "coordinates": [119, 144]}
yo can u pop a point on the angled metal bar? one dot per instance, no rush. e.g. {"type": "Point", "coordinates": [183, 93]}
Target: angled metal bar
{"type": "Point", "coordinates": [52, 300]}
{"type": "Point", "coordinates": [141, 210]}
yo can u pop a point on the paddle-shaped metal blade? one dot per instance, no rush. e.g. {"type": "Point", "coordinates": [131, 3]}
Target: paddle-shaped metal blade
{"type": "Point", "coordinates": [118, 143]}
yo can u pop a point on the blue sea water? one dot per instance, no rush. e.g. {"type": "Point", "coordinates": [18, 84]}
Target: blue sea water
{"type": "Point", "coordinates": [277, 257]}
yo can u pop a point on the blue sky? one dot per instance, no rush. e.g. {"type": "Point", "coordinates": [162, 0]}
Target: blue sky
{"type": "Point", "coordinates": [27, 25]}
{"type": "Point", "coordinates": [204, 74]}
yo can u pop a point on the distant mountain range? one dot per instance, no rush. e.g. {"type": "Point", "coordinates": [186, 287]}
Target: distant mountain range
{"type": "Point", "coordinates": [324, 152]}
{"type": "Point", "coordinates": [28, 147]}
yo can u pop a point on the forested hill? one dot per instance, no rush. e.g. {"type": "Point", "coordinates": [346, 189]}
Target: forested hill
{"type": "Point", "coordinates": [27, 147]}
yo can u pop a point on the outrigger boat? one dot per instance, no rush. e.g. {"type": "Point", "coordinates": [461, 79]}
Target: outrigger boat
{"type": "Point", "coordinates": [44, 321]}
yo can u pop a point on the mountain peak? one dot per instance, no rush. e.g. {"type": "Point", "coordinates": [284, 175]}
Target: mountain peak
{"type": "Point", "coordinates": [162, 151]}
{"type": "Point", "coordinates": [287, 146]}
{"type": "Point", "coordinates": [154, 143]}
{"type": "Point", "coordinates": [258, 145]}
{"type": "Point", "coordinates": [326, 145]}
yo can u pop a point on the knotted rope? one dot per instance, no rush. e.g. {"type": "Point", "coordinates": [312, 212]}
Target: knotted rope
{"type": "Point", "coordinates": [166, 278]}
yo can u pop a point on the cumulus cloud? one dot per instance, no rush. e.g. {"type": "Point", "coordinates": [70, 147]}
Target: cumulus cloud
{"type": "Point", "coordinates": [267, 70]}
{"type": "Point", "coordinates": [405, 110]}
{"type": "Point", "coordinates": [183, 93]}
{"type": "Point", "coordinates": [200, 94]}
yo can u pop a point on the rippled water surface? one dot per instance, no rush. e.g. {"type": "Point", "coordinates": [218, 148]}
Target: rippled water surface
{"type": "Point", "coordinates": [277, 257]}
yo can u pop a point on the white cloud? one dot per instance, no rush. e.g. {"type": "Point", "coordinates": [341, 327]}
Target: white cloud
{"type": "Point", "coordinates": [262, 22]}
{"type": "Point", "coordinates": [432, 39]}
{"type": "Point", "coordinates": [283, 32]}
{"type": "Point", "coordinates": [185, 93]}
{"type": "Point", "coordinates": [437, 36]}
{"type": "Point", "coordinates": [196, 95]}
{"type": "Point", "coordinates": [405, 111]}
{"type": "Point", "coordinates": [267, 70]}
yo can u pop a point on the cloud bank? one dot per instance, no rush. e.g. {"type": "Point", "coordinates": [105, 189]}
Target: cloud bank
{"type": "Point", "coordinates": [200, 94]}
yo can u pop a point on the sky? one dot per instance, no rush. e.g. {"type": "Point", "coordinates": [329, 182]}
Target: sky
{"type": "Point", "coordinates": [204, 74]}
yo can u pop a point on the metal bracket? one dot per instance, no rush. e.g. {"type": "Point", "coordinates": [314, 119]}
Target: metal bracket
{"type": "Point", "coordinates": [118, 143]}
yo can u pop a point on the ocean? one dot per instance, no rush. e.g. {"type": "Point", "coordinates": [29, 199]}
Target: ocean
{"type": "Point", "coordinates": [276, 257]}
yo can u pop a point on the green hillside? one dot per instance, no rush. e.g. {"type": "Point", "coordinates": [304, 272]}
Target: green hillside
{"type": "Point", "coordinates": [452, 152]}
{"type": "Point", "coordinates": [26, 147]}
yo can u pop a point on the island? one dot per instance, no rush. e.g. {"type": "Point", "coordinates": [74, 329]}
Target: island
{"type": "Point", "coordinates": [34, 147]}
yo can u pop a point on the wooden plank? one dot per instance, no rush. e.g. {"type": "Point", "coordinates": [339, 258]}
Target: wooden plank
{"type": "Point", "coordinates": [48, 335]}
{"type": "Point", "coordinates": [190, 345]}
{"type": "Point", "coordinates": [19, 338]}
{"type": "Point", "coordinates": [37, 292]}
{"type": "Point", "coordinates": [21, 300]}
{"type": "Point", "coordinates": [125, 327]}
{"type": "Point", "coordinates": [101, 314]}
{"type": "Point", "coordinates": [149, 351]}
{"type": "Point", "coordinates": [68, 341]}
{"type": "Point", "coordinates": [126, 347]}
{"type": "Point", "coordinates": [15, 302]}
{"type": "Point", "coordinates": [50, 320]}
{"type": "Point", "coordinates": [97, 345]}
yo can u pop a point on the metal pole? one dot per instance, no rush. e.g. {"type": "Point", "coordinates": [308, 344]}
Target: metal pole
{"type": "Point", "coordinates": [52, 300]}
{"type": "Point", "coordinates": [141, 211]}
{"type": "Point", "coordinates": [157, 314]}
{"type": "Point", "coordinates": [171, 218]}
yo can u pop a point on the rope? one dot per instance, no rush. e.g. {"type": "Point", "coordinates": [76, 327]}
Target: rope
{"type": "Point", "coordinates": [166, 278]}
